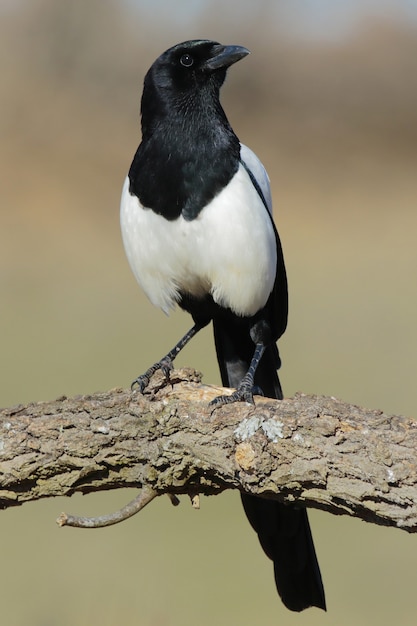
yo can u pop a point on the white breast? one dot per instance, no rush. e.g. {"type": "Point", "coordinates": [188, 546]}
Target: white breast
{"type": "Point", "coordinates": [229, 250]}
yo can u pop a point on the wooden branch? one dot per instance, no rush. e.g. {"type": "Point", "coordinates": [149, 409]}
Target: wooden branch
{"type": "Point", "coordinates": [318, 451]}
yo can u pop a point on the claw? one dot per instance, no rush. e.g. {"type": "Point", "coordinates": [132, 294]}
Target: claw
{"type": "Point", "coordinates": [141, 381]}
{"type": "Point", "coordinates": [165, 365]}
{"type": "Point", "coordinates": [244, 393]}
{"type": "Point", "coordinates": [236, 396]}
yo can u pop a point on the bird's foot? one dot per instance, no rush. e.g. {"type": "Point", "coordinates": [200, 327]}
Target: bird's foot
{"type": "Point", "coordinates": [244, 393]}
{"type": "Point", "coordinates": [165, 365]}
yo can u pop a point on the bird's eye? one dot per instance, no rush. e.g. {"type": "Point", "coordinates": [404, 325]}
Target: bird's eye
{"type": "Point", "coordinates": [186, 60]}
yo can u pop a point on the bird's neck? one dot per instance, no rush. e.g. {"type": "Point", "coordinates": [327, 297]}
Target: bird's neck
{"type": "Point", "coordinates": [195, 114]}
{"type": "Point", "coordinates": [187, 155]}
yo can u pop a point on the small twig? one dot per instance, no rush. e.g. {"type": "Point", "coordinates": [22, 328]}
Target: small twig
{"type": "Point", "coordinates": [194, 495]}
{"type": "Point", "coordinates": [145, 496]}
{"type": "Point", "coordinates": [174, 499]}
{"type": "Point", "coordinates": [195, 500]}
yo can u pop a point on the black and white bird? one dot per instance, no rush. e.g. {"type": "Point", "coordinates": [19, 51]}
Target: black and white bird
{"type": "Point", "coordinates": [197, 227]}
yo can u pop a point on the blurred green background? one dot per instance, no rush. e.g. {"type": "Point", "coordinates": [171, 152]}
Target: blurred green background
{"type": "Point", "coordinates": [328, 100]}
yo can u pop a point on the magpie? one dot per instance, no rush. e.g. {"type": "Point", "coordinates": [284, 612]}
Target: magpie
{"type": "Point", "coordinates": [197, 227]}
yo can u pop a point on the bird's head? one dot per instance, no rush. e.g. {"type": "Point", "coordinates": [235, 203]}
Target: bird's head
{"type": "Point", "coordinates": [185, 71]}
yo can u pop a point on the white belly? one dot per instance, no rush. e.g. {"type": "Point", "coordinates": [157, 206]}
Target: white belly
{"type": "Point", "coordinates": [229, 250]}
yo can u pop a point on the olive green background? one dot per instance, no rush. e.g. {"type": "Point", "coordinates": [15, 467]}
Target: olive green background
{"type": "Point", "coordinates": [334, 121]}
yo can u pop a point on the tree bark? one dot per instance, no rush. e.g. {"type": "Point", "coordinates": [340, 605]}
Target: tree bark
{"type": "Point", "coordinates": [317, 451]}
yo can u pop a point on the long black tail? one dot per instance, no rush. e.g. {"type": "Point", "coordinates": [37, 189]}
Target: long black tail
{"type": "Point", "coordinates": [283, 531]}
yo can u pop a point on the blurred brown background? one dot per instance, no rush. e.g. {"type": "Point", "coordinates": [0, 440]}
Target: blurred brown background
{"type": "Point", "coordinates": [328, 100]}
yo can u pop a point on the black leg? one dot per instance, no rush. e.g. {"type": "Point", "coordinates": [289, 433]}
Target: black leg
{"type": "Point", "coordinates": [246, 389]}
{"type": "Point", "coordinates": [166, 363]}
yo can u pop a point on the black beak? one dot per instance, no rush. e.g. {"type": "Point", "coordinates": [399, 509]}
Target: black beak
{"type": "Point", "coordinates": [225, 56]}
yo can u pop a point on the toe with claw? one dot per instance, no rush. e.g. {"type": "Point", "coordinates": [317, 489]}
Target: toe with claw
{"type": "Point", "coordinates": [244, 393]}
{"type": "Point", "coordinates": [165, 365]}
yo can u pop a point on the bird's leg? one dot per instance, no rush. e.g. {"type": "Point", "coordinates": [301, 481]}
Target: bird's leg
{"type": "Point", "coordinates": [246, 389]}
{"type": "Point", "coordinates": [166, 363]}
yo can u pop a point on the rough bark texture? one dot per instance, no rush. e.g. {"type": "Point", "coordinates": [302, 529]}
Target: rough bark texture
{"type": "Point", "coordinates": [318, 451]}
